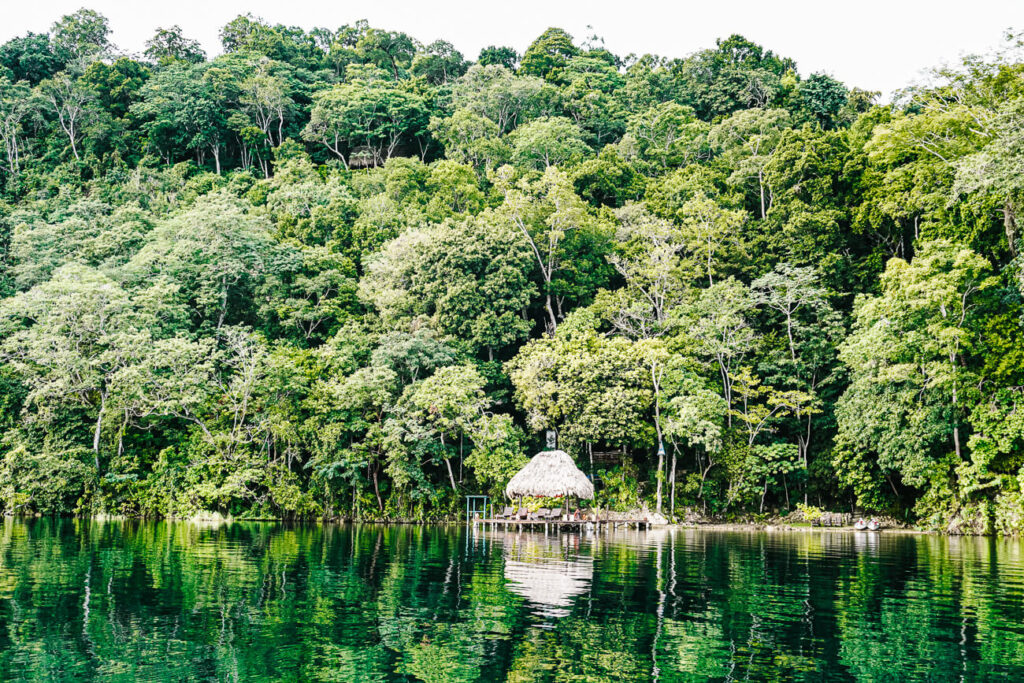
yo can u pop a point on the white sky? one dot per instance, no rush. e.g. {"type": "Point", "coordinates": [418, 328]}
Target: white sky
{"type": "Point", "coordinates": [873, 44]}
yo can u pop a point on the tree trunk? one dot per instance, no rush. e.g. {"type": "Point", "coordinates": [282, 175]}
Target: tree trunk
{"type": "Point", "coordinates": [451, 476]}
{"type": "Point", "coordinates": [710, 264]}
{"type": "Point", "coordinates": [120, 434]}
{"type": "Point", "coordinates": [1010, 226]}
{"type": "Point", "coordinates": [805, 448]}
{"type": "Point", "coordinates": [661, 467]}
{"type": "Point", "coordinates": [789, 333]}
{"type": "Point", "coordinates": [552, 320]}
{"type": "Point", "coordinates": [96, 433]}
{"type": "Point", "coordinates": [760, 184]}
{"type": "Point", "coordinates": [376, 490]}
{"type": "Point", "coordinates": [672, 483]}
{"type": "Point", "coordinates": [726, 392]}
{"type": "Point", "coordinates": [956, 426]}
{"type": "Point", "coordinates": [448, 464]}
{"type": "Point", "coordinates": [656, 383]}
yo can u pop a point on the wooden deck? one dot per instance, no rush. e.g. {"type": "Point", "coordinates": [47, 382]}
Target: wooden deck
{"type": "Point", "coordinates": [567, 523]}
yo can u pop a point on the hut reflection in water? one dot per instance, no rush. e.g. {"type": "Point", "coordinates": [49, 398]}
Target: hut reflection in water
{"type": "Point", "coordinates": [547, 570]}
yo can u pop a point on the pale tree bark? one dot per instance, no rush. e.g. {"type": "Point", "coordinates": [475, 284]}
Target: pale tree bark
{"type": "Point", "coordinates": [656, 377]}
{"type": "Point", "coordinates": [1010, 226]}
{"type": "Point", "coordinates": [448, 464]}
{"type": "Point", "coordinates": [97, 431]}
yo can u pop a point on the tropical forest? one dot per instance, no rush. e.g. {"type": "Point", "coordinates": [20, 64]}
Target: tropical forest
{"type": "Point", "coordinates": [342, 273]}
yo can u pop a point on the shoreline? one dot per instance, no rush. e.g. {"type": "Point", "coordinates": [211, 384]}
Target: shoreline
{"type": "Point", "coordinates": [773, 528]}
{"type": "Point", "coordinates": [216, 520]}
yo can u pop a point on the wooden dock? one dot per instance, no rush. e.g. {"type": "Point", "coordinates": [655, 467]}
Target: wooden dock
{"type": "Point", "coordinates": [579, 524]}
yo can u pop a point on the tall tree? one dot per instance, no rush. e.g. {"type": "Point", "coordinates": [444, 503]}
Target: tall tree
{"type": "Point", "coordinates": [547, 213]}
{"type": "Point", "coordinates": [748, 139]}
{"type": "Point", "coordinates": [470, 281]}
{"type": "Point", "coordinates": [17, 107]}
{"type": "Point", "coordinates": [369, 118]}
{"type": "Point", "coordinates": [68, 338]}
{"type": "Point", "coordinates": [169, 45]}
{"type": "Point", "coordinates": [911, 362]}
{"type": "Point", "coordinates": [500, 55]}
{"type": "Point", "coordinates": [548, 55]}
{"type": "Point", "coordinates": [69, 101]}
{"type": "Point", "coordinates": [81, 36]}
{"type": "Point", "coordinates": [812, 330]}
{"type": "Point", "coordinates": [719, 321]}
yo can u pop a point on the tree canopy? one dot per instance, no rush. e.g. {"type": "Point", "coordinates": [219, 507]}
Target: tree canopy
{"type": "Point", "coordinates": [341, 272]}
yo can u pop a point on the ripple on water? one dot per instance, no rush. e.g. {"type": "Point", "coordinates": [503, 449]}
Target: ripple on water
{"type": "Point", "coordinates": [179, 601]}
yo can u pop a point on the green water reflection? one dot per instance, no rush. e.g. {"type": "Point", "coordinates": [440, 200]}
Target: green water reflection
{"type": "Point", "coordinates": [83, 600]}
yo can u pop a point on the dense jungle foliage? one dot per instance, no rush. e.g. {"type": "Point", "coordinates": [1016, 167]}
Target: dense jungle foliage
{"type": "Point", "coordinates": [345, 273]}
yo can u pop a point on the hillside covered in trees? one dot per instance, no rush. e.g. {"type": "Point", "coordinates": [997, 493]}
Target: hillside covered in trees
{"type": "Point", "coordinates": [344, 273]}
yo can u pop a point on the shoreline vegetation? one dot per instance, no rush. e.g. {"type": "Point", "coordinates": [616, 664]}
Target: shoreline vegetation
{"type": "Point", "coordinates": [343, 273]}
{"type": "Point", "coordinates": [704, 524]}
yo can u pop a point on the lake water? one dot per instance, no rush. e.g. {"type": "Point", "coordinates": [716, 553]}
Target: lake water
{"type": "Point", "coordinates": [87, 600]}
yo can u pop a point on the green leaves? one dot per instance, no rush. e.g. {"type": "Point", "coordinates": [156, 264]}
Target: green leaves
{"type": "Point", "coordinates": [469, 281]}
{"type": "Point", "coordinates": [325, 269]}
{"type": "Point", "coordinates": [667, 134]}
{"type": "Point", "coordinates": [547, 142]}
{"type": "Point", "coordinates": [216, 251]}
{"type": "Point", "coordinates": [471, 138]}
{"type": "Point", "coordinates": [548, 54]}
{"type": "Point", "coordinates": [912, 356]}
{"type": "Point", "coordinates": [594, 389]}
{"type": "Point", "coordinates": [364, 123]}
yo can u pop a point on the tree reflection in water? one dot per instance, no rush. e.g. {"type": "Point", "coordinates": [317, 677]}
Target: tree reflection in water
{"type": "Point", "coordinates": [88, 600]}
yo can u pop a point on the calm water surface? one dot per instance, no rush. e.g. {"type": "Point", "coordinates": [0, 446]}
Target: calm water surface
{"type": "Point", "coordinates": [83, 600]}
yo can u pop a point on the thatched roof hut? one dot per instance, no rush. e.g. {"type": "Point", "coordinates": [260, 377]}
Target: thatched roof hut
{"type": "Point", "coordinates": [550, 474]}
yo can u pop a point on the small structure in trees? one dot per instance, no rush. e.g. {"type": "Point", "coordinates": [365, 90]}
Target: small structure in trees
{"type": "Point", "coordinates": [550, 474]}
{"type": "Point", "coordinates": [477, 505]}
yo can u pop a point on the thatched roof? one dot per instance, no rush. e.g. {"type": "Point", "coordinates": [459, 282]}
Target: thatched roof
{"type": "Point", "coordinates": [550, 474]}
